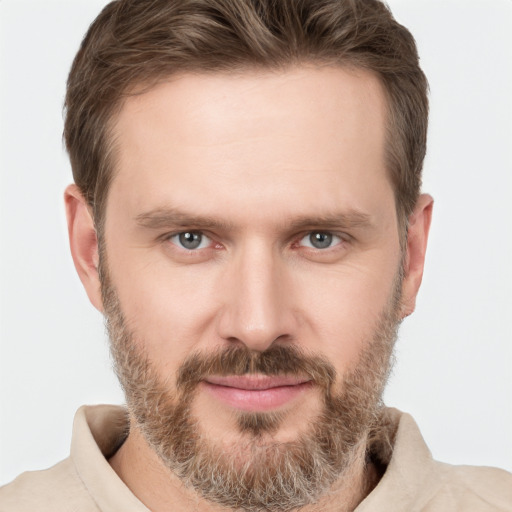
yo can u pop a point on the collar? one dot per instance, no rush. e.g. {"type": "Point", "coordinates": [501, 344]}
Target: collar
{"type": "Point", "coordinates": [99, 430]}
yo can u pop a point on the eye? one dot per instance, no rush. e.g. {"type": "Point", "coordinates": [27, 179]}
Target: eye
{"type": "Point", "coordinates": [190, 240]}
{"type": "Point", "coordinates": [320, 240]}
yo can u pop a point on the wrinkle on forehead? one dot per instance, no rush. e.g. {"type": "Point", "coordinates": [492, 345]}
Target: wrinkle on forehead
{"type": "Point", "coordinates": [212, 108]}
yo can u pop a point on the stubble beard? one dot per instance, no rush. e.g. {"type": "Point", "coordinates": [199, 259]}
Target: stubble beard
{"type": "Point", "coordinates": [257, 473]}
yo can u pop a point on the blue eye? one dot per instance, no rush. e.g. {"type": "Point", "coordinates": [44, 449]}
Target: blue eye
{"type": "Point", "coordinates": [320, 240]}
{"type": "Point", "coordinates": [191, 240]}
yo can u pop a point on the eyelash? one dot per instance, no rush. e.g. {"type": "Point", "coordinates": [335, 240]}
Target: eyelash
{"type": "Point", "coordinates": [194, 234]}
{"type": "Point", "coordinates": [330, 234]}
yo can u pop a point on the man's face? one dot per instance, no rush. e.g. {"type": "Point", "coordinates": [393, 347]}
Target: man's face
{"type": "Point", "coordinates": [253, 258]}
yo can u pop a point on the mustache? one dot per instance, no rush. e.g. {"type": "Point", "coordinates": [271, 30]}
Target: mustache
{"type": "Point", "coordinates": [239, 360]}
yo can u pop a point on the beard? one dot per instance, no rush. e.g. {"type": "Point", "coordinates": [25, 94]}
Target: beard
{"type": "Point", "coordinates": [256, 473]}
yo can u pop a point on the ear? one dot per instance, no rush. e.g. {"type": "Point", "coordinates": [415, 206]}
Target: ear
{"type": "Point", "coordinates": [417, 236]}
{"type": "Point", "coordinates": [83, 243]}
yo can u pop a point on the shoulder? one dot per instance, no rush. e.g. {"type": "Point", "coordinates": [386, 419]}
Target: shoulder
{"type": "Point", "coordinates": [414, 482]}
{"type": "Point", "coordinates": [57, 489]}
{"type": "Point", "coordinates": [479, 489]}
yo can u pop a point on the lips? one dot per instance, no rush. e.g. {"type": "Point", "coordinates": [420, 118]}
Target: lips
{"type": "Point", "coordinates": [256, 393]}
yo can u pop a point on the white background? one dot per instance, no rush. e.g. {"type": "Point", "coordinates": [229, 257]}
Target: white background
{"type": "Point", "coordinates": [454, 371]}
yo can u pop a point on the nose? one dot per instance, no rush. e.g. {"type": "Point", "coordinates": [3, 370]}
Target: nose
{"type": "Point", "coordinates": [257, 307]}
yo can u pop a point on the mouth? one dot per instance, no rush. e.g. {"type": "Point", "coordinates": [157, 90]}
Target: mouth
{"type": "Point", "coordinates": [256, 393]}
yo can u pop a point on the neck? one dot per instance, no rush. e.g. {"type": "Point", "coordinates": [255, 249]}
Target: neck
{"type": "Point", "coordinates": [160, 490]}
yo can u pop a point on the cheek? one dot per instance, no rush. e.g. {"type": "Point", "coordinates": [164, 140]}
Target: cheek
{"type": "Point", "coordinates": [344, 311]}
{"type": "Point", "coordinates": [168, 309]}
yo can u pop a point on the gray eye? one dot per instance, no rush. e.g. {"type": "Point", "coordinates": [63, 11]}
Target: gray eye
{"type": "Point", "coordinates": [190, 240]}
{"type": "Point", "coordinates": [320, 240]}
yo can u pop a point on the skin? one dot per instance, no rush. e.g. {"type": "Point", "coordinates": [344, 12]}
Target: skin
{"type": "Point", "coordinates": [256, 161]}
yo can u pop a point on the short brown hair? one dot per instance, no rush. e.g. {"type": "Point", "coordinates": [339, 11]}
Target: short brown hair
{"type": "Point", "coordinates": [139, 42]}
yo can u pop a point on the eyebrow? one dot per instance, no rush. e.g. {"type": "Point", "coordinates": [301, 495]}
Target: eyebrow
{"type": "Point", "coordinates": [162, 218]}
{"type": "Point", "coordinates": [347, 219]}
{"type": "Point", "coordinates": [165, 217]}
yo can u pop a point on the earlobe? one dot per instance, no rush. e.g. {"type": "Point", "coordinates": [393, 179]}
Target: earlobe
{"type": "Point", "coordinates": [83, 243]}
{"type": "Point", "coordinates": [417, 237]}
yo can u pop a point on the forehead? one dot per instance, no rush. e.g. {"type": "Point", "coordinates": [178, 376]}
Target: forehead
{"type": "Point", "coordinates": [309, 134]}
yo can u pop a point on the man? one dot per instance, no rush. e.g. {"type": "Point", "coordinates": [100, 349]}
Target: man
{"type": "Point", "coordinates": [247, 216]}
